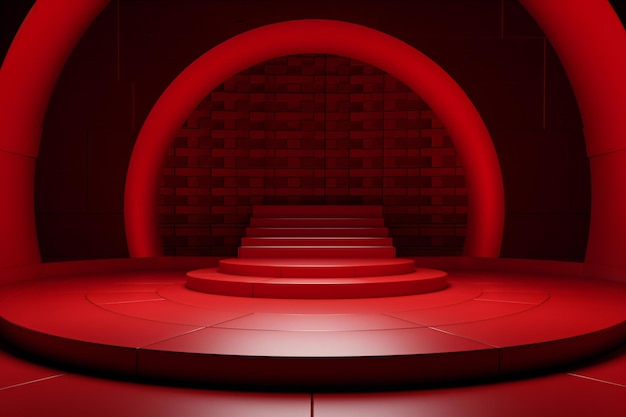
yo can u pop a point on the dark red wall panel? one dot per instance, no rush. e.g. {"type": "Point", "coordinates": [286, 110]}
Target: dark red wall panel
{"type": "Point", "coordinates": [312, 129]}
{"type": "Point", "coordinates": [134, 49]}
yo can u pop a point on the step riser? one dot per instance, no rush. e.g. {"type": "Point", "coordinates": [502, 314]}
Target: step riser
{"type": "Point", "coordinates": [327, 288]}
{"type": "Point", "coordinates": [317, 211]}
{"type": "Point", "coordinates": [321, 241]}
{"type": "Point", "coordinates": [317, 222]}
{"type": "Point", "coordinates": [317, 232]}
{"type": "Point", "coordinates": [321, 252]}
{"type": "Point", "coordinates": [283, 268]}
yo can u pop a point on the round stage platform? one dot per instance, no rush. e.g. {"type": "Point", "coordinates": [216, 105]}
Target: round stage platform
{"type": "Point", "coordinates": [316, 278]}
{"type": "Point", "coordinates": [148, 324]}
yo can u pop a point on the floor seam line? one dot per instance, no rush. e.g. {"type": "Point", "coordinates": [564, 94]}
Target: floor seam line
{"type": "Point", "coordinates": [138, 348]}
{"type": "Point", "coordinates": [596, 379]}
{"type": "Point", "coordinates": [21, 384]}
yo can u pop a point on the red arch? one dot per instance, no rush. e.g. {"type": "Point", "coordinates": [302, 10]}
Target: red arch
{"type": "Point", "coordinates": [591, 43]}
{"type": "Point", "coordinates": [29, 72]}
{"type": "Point", "coordinates": [446, 98]}
{"type": "Point", "coordinates": [25, 93]}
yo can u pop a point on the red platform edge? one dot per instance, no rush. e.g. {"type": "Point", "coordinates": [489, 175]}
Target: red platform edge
{"type": "Point", "coordinates": [158, 362]}
{"type": "Point", "coordinates": [316, 268]}
{"type": "Point", "coordinates": [314, 287]}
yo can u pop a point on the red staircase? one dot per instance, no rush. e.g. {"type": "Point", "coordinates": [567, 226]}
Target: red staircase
{"type": "Point", "coordinates": [316, 252]}
{"type": "Point", "coordinates": [317, 232]}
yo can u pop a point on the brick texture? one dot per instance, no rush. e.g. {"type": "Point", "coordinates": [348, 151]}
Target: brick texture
{"type": "Point", "coordinates": [312, 129]}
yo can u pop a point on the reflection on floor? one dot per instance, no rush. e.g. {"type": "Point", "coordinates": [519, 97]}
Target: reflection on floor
{"type": "Point", "coordinates": [591, 387]}
{"type": "Point", "coordinates": [28, 389]}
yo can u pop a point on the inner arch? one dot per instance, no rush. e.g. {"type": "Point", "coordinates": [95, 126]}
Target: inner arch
{"type": "Point", "coordinates": [417, 71]}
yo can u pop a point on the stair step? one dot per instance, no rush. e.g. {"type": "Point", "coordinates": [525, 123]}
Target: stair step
{"type": "Point", "coordinates": [317, 232]}
{"type": "Point", "coordinates": [317, 222]}
{"type": "Point", "coordinates": [316, 268]}
{"type": "Point", "coordinates": [316, 287]}
{"type": "Point", "coordinates": [317, 252]}
{"type": "Point", "coordinates": [316, 241]}
{"type": "Point", "coordinates": [317, 211]}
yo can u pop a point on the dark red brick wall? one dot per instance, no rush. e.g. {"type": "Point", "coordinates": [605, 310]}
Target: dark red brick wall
{"type": "Point", "coordinates": [130, 54]}
{"type": "Point", "coordinates": [312, 129]}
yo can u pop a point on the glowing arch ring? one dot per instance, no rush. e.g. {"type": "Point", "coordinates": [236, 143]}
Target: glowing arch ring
{"type": "Point", "coordinates": [418, 72]}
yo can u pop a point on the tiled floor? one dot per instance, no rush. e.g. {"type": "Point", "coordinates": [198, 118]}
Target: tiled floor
{"type": "Point", "coordinates": [28, 389]}
{"type": "Point", "coordinates": [594, 388]}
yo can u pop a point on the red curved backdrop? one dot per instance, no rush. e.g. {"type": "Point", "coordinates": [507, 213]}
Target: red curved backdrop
{"type": "Point", "coordinates": [591, 43]}
{"type": "Point", "coordinates": [29, 74]}
{"type": "Point", "coordinates": [418, 72]}
{"type": "Point", "coordinates": [587, 35]}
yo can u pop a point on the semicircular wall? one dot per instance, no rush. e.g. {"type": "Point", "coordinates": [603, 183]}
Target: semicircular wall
{"type": "Point", "coordinates": [26, 93]}
{"type": "Point", "coordinates": [417, 71]}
